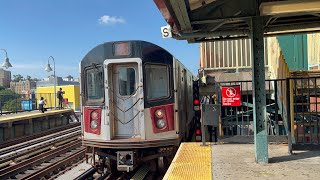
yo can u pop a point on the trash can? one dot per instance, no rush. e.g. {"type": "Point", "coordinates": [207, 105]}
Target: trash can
{"type": "Point", "coordinates": [26, 105]}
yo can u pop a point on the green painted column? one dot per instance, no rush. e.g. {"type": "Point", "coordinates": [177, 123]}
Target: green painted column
{"type": "Point", "coordinates": [259, 91]}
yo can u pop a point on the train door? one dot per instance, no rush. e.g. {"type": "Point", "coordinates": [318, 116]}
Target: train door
{"type": "Point", "coordinates": [125, 83]}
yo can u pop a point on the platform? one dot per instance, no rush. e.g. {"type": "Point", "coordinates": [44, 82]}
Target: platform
{"type": "Point", "coordinates": [27, 123]}
{"type": "Point", "coordinates": [31, 115]}
{"type": "Point", "coordinates": [237, 161]}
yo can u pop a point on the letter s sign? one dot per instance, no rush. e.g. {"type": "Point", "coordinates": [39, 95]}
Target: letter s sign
{"type": "Point", "coordinates": [166, 32]}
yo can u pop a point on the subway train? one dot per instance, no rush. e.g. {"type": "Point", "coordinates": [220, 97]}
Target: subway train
{"type": "Point", "coordinates": [137, 105]}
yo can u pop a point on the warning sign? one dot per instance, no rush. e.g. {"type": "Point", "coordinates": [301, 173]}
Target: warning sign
{"type": "Point", "coordinates": [231, 96]}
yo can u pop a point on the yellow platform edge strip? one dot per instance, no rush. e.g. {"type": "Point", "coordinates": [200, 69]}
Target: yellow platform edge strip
{"type": "Point", "coordinates": [192, 161]}
{"type": "Point", "coordinates": [33, 115]}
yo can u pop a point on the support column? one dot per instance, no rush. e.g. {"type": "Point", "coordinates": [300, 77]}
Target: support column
{"type": "Point", "coordinates": [259, 91]}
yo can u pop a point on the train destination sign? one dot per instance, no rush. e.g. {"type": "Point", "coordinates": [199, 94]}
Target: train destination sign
{"type": "Point", "coordinates": [231, 96]}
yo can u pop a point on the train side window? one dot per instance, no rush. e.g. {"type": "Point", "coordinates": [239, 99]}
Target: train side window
{"type": "Point", "coordinates": [94, 79]}
{"type": "Point", "coordinates": [127, 81]}
{"type": "Point", "coordinates": [157, 78]}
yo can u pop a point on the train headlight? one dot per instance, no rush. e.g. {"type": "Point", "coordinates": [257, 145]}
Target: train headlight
{"type": "Point", "coordinates": [94, 124]}
{"type": "Point", "coordinates": [159, 113]}
{"type": "Point", "coordinates": [94, 115]}
{"type": "Point", "coordinates": [161, 123]}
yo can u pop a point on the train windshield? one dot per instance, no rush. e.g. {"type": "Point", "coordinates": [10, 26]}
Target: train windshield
{"type": "Point", "coordinates": [157, 77]}
{"type": "Point", "coordinates": [94, 85]}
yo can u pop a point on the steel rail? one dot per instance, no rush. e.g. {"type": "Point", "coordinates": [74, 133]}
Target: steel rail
{"type": "Point", "coordinates": [36, 135]}
{"type": "Point", "coordinates": [86, 174]}
{"type": "Point", "coordinates": [65, 161]}
{"type": "Point", "coordinates": [65, 169]}
{"type": "Point", "coordinates": [36, 141]}
{"type": "Point", "coordinates": [36, 160]}
{"type": "Point", "coordinates": [14, 154]}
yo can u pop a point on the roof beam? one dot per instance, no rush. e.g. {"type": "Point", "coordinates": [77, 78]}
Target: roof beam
{"type": "Point", "coordinates": [195, 4]}
{"type": "Point", "coordinates": [180, 10]}
{"type": "Point", "coordinates": [289, 7]}
{"type": "Point", "coordinates": [210, 21]}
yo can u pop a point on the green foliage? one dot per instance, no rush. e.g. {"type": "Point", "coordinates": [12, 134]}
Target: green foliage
{"type": "Point", "coordinates": [6, 92]}
{"type": "Point", "coordinates": [2, 88]}
{"type": "Point", "coordinates": [35, 79]}
{"type": "Point", "coordinates": [12, 105]}
{"type": "Point", "coordinates": [17, 78]}
{"type": "Point", "coordinates": [7, 97]}
{"type": "Point", "coordinates": [29, 78]}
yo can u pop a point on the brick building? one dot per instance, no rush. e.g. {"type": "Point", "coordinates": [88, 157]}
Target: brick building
{"type": "Point", "coordinates": [5, 78]}
{"type": "Point", "coordinates": [22, 87]}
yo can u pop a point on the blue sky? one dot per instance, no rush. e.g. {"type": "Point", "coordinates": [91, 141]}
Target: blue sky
{"type": "Point", "coordinates": [33, 30]}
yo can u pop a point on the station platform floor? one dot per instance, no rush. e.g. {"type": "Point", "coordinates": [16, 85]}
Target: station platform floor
{"type": "Point", "coordinates": [30, 114]}
{"type": "Point", "coordinates": [237, 161]}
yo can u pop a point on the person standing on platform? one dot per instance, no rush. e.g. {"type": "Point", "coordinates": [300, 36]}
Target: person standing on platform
{"type": "Point", "coordinates": [41, 104]}
{"type": "Point", "coordinates": [60, 97]}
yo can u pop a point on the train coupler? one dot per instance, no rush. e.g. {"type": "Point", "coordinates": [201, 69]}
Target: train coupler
{"type": "Point", "coordinates": [125, 161]}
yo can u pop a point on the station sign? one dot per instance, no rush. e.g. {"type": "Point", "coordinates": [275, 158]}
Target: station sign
{"type": "Point", "coordinates": [166, 31]}
{"type": "Point", "coordinates": [231, 95]}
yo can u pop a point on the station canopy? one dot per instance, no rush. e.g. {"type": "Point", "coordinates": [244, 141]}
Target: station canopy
{"type": "Point", "coordinates": [207, 20]}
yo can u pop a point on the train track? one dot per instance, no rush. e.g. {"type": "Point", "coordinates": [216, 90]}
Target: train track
{"type": "Point", "coordinates": [44, 157]}
{"type": "Point", "coordinates": [37, 135]}
{"type": "Point", "coordinates": [142, 173]}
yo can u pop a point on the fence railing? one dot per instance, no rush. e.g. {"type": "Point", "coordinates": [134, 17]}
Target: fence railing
{"type": "Point", "coordinates": [14, 103]}
{"type": "Point", "coordinates": [305, 107]}
{"type": "Point", "coordinates": [239, 120]}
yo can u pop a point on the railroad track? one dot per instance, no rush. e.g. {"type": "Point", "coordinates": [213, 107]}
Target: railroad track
{"type": "Point", "coordinates": [44, 157]}
{"type": "Point", "coordinates": [142, 173]}
{"type": "Point", "coordinates": [37, 135]}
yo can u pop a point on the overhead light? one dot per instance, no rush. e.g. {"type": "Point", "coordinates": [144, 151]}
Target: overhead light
{"type": "Point", "coordinates": [6, 63]}
{"type": "Point", "coordinates": [48, 68]}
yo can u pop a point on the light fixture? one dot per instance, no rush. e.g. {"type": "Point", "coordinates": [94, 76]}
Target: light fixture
{"type": "Point", "coordinates": [6, 63]}
{"type": "Point", "coordinates": [48, 69]}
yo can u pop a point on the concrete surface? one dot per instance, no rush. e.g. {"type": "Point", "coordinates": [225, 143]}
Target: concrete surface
{"type": "Point", "coordinates": [237, 161]}
{"type": "Point", "coordinates": [75, 171]}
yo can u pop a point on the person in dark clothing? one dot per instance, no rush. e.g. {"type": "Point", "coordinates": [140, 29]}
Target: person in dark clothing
{"type": "Point", "coordinates": [60, 97]}
{"type": "Point", "coordinates": [41, 104]}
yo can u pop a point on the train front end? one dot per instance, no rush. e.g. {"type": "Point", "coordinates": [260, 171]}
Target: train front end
{"type": "Point", "coordinates": [127, 105]}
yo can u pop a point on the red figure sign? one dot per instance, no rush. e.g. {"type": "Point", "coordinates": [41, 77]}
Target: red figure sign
{"type": "Point", "coordinates": [231, 96]}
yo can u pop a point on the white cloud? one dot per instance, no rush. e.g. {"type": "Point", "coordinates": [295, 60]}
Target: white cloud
{"type": "Point", "coordinates": [26, 67]}
{"type": "Point", "coordinates": [110, 20]}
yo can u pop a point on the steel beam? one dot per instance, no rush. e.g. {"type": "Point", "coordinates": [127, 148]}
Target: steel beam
{"type": "Point", "coordinates": [180, 10]}
{"type": "Point", "coordinates": [259, 91]}
{"type": "Point", "coordinates": [289, 7]}
{"type": "Point", "coordinates": [195, 4]}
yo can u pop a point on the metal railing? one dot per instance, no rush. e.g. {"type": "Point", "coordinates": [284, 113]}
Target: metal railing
{"type": "Point", "coordinates": [239, 120]}
{"type": "Point", "coordinates": [306, 109]}
{"type": "Point", "coordinates": [14, 103]}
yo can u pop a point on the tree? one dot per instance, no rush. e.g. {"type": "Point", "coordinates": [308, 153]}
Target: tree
{"type": "Point", "coordinates": [17, 78]}
{"type": "Point", "coordinates": [9, 100]}
{"type": "Point", "coordinates": [12, 105]}
{"type": "Point", "coordinates": [29, 78]}
{"type": "Point", "coordinates": [7, 92]}
{"type": "Point", "coordinates": [36, 79]}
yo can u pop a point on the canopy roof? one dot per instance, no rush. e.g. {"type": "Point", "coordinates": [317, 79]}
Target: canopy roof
{"type": "Point", "coordinates": [207, 20]}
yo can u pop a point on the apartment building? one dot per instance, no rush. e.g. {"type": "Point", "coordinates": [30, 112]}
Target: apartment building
{"type": "Point", "coordinates": [5, 78]}
{"type": "Point", "coordinates": [22, 87]}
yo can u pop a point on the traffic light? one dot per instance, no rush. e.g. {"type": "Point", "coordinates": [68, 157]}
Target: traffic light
{"type": "Point", "coordinates": [197, 112]}
{"type": "Point", "coordinates": [196, 96]}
